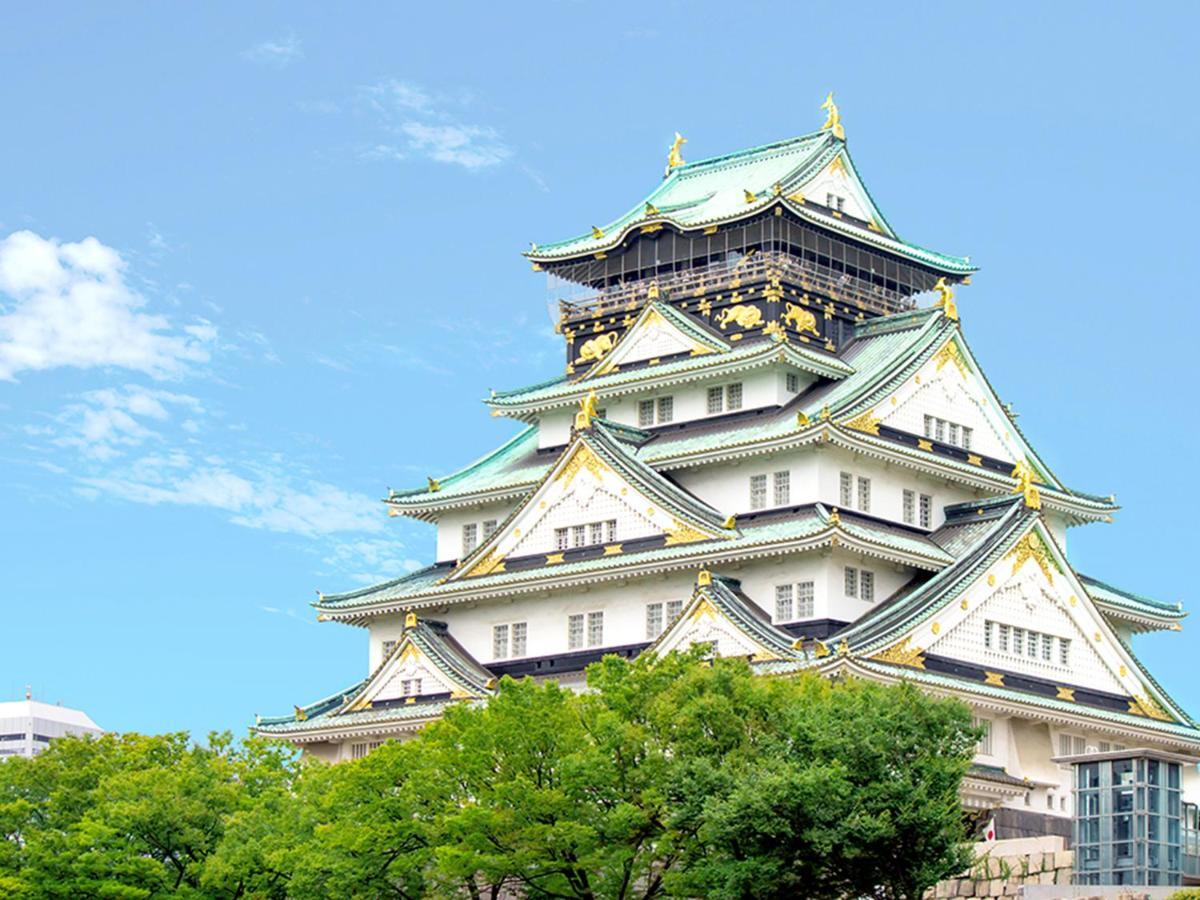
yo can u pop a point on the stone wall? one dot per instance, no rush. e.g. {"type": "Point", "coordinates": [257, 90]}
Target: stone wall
{"type": "Point", "coordinates": [1000, 875]}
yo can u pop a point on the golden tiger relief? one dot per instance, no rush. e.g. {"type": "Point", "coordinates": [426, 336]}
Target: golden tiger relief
{"type": "Point", "coordinates": [744, 315]}
{"type": "Point", "coordinates": [801, 319]}
{"type": "Point", "coordinates": [597, 347]}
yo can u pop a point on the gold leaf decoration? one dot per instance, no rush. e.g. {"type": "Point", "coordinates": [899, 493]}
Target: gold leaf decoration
{"type": "Point", "coordinates": [902, 654]}
{"type": "Point", "coordinates": [865, 422]}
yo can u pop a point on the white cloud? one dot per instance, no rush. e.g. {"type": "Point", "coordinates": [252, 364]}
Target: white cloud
{"type": "Point", "coordinates": [371, 560]}
{"type": "Point", "coordinates": [109, 420]}
{"type": "Point", "coordinates": [429, 126]}
{"type": "Point", "coordinates": [279, 52]}
{"type": "Point", "coordinates": [69, 305]}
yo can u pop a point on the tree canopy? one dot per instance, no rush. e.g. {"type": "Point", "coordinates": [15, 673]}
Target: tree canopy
{"type": "Point", "coordinates": [679, 777]}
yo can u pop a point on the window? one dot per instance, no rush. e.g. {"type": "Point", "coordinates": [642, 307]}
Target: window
{"type": "Point", "coordinates": [985, 743]}
{"type": "Point", "coordinates": [785, 602]}
{"type": "Point", "coordinates": [610, 530]}
{"type": "Point", "coordinates": [948, 432]}
{"type": "Point", "coordinates": [939, 429]}
{"type": "Point", "coordinates": [388, 647]}
{"type": "Point", "coordinates": [952, 433]}
{"type": "Point", "coordinates": [654, 620]}
{"type": "Point", "coordinates": [666, 409]}
{"type": "Point", "coordinates": [910, 507]}
{"type": "Point", "coordinates": [851, 578]}
{"type": "Point", "coordinates": [575, 631]}
{"type": "Point", "coordinates": [804, 600]}
{"type": "Point", "coordinates": [926, 511]}
{"type": "Point", "coordinates": [1018, 641]}
{"type": "Point", "coordinates": [499, 642]}
{"type": "Point", "coordinates": [758, 491]}
{"type": "Point", "coordinates": [1031, 644]}
{"type": "Point", "coordinates": [782, 482]}
{"type": "Point", "coordinates": [517, 633]}
{"type": "Point", "coordinates": [1024, 642]}
{"type": "Point", "coordinates": [987, 635]}
{"type": "Point", "coordinates": [716, 400]}
{"type": "Point", "coordinates": [733, 396]}
{"type": "Point", "coordinates": [929, 426]}
{"type": "Point", "coordinates": [410, 687]}
{"type": "Point", "coordinates": [489, 528]}
{"type": "Point", "coordinates": [674, 608]}
{"type": "Point", "coordinates": [846, 482]}
{"type": "Point", "coordinates": [470, 538]}
{"type": "Point", "coordinates": [645, 413]}
{"type": "Point", "coordinates": [596, 533]}
{"type": "Point", "coordinates": [595, 629]}
{"type": "Point", "coordinates": [866, 586]}
{"type": "Point", "coordinates": [1071, 744]}
{"type": "Point", "coordinates": [966, 438]}
{"type": "Point", "coordinates": [864, 494]}
{"type": "Point", "coordinates": [561, 538]}
{"type": "Point", "coordinates": [578, 535]}
{"type": "Point", "coordinates": [792, 382]}
{"type": "Point", "coordinates": [586, 535]}
{"type": "Point", "coordinates": [833, 201]}
{"type": "Point", "coordinates": [1064, 651]}
{"type": "Point", "coordinates": [1003, 632]}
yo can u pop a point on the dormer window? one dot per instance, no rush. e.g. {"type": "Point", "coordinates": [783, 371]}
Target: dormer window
{"type": "Point", "coordinates": [834, 202]}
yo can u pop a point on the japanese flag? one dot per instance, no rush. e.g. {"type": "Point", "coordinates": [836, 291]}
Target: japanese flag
{"type": "Point", "coordinates": [989, 831]}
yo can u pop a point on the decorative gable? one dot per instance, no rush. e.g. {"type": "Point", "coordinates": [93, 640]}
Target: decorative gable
{"type": "Point", "coordinates": [837, 187]}
{"type": "Point", "coordinates": [719, 616]}
{"type": "Point", "coordinates": [426, 662]}
{"type": "Point", "coordinates": [595, 495]}
{"type": "Point", "coordinates": [1015, 617]}
{"type": "Point", "coordinates": [659, 331]}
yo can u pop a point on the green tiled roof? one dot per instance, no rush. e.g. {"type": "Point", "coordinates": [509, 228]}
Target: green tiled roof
{"type": "Point", "coordinates": [759, 532]}
{"type": "Point", "coordinates": [284, 726]}
{"type": "Point", "coordinates": [1107, 595]}
{"type": "Point", "coordinates": [726, 595]}
{"type": "Point", "coordinates": [515, 462]}
{"type": "Point", "coordinates": [713, 192]}
{"type": "Point", "coordinates": [759, 351]}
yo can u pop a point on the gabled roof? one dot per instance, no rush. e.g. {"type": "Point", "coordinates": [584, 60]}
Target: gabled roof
{"type": "Point", "coordinates": [719, 612]}
{"type": "Point", "coordinates": [894, 631]}
{"type": "Point", "coordinates": [726, 189]}
{"type": "Point", "coordinates": [597, 452]}
{"type": "Point", "coordinates": [425, 646]}
{"type": "Point", "coordinates": [1145, 614]}
{"type": "Point", "coordinates": [673, 329]}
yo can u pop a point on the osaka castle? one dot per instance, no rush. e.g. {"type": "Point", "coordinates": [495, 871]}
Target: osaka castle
{"type": "Point", "coordinates": [769, 435]}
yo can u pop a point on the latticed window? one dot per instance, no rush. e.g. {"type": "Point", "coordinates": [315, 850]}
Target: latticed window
{"type": "Point", "coordinates": [561, 538]}
{"type": "Point", "coordinates": [610, 530]}
{"type": "Point", "coordinates": [595, 629]}
{"type": "Point", "coordinates": [410, 687]}
{"type": "Point", "coordinates": [792, 381]}
{"type": "Point", "coordinates": [666, 409]}
{"type": "Point", "coordinates": [846, 494]}
{"type": "Point", "coordinates": [578, 535]}
{"type": "Point", "coordinates": [520, 638]}
{"type": "Point", "coordinates": [952, 432]}
{"type": "Point", "coordinates": [758, 491]}
{"type": "Point", "coordinates": [910, 507]}
{"type": "Point", "coordinates": [987, 635]}
{"type": "Point", "coordinates": [866, 586]}
{"type": "Point", "coordinates": [805, 600]}
{"type": "Point", "coordinates": [674, 608]}
{"type": "Point", "coordinates": [470, 538]}
{"type": "Point", "coordinates": [596, 533]}
{"type": "Point", "coordinates": [851, 579]}
{"type": "Point", "coordinates": [1064, 651]}
{"type": "Point", "coordinates": [929, 426]}
{"type": "Point", "coordinates": [489, 528]}
{"type": "Point", "coordinates": [864, 494]}
{"type": "Point", "coordinates": [782, 482]}
{"type": "Point", "coordinates": [388, 647]}
{"type": "Point", "coordinates": [1018, 641]}
{"type": "Point", "coordinates": [939, 429]}
{"type": "Point", "coordinates": [646, 413]}
{"type": "Point", "coordinates": [1002, 633]}
{"type": "Point", "coordinates": [926, 511]}
{"type": "Point", "coordinates": [985, 743]}
{"type": "Point", "coordinates": [499, 641]}
{"type": "Point", "coordinates": [733, 396]}
{"type": "Point", "coordinates": [785, 602]}
{"type": "Point", "coordinates": [966, 438]}
{"type": "Point", "coordinates": [716, 399]}
{"type": "Point", "coordinates": [575, 631]}
{"type": "Point", "coordinates": [654, 620]}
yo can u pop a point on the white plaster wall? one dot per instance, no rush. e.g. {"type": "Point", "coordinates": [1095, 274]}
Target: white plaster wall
{"type": "Point", "coordinates": [554, 427]}
{"type": "Point", "coordinates": [450, 525]}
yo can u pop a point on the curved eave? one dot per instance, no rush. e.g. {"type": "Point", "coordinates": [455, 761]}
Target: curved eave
{"type": "Point", "coordinates": [1140, 620]}
{"type": "Point", "coordinates": [715, 365]}
{"type": "Point", "coordinates": [945, 264]}
{"type": "Point", "coordinates": [709, 553]}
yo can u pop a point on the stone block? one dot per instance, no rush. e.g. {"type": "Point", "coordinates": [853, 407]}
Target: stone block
{"type": "Point", "coordinates": [966, 888]}
{"type": "Point", "coordinates": [1048, 862]}
{"type": "Point", "coordinates": [996, 887]}
{"type": "Point", "coordinates": [1033, 863]}
{"type": "Point", "coordinates": [947, 888]}
{"type": "Point", "coordinates": [1064, 859]}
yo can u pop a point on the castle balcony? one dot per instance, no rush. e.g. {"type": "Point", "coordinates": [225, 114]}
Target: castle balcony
{"type": "Point", "coordinates": [742, 272]}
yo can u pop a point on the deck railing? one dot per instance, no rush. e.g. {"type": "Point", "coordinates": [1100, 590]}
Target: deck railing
{"type": "Point", "coordinates": [752, 268]}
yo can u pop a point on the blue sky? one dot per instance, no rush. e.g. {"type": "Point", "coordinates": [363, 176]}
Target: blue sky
{"type": "Point", "coordinates": [255, 269]}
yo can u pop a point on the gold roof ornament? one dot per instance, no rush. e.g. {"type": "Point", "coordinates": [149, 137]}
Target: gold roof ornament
{"type": "Point", "coordinates": [434, 485]}
{"type": "Point", "coordinates": [730, 522]}
{"type": "Point", "coordinates": [703, 578]}
{"type": "Point", "coordinates": [674, 157]}
{"type": "Point", "coordinates": [410, 620]}
{"type": "Point", "coordinates": [651, 209]}
{"type": "Point", "coordinates": [946, 299]}
{"type": "Point", "coordinates": [834, 518]}
{"type": "Point", "coordinates": [802, 419]}
{"type": "Point", "coordinates": [833, 121]}
{"type": "Point", "coordinates": [652, 292]}
{"type": "Point", "coordinates": [843, 647]}
{"type": "Point", "coordinates": [1023, 472]}
{"type": "Point", "coordinates": [750, 196]}
{"type": "Point", "coordinates": [825, 415]}
{"type": "Point", "coordinates": [587, 411]}
{"type": "Point", "coordinates": [597, 233]}
{"type": "Point", "coordinates": [301, 715]}
{"type": "Point", "coordinates": [820, 649]}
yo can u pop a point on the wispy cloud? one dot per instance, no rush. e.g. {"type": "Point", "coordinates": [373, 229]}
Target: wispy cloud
{"type": "Point", "coordinates": [69, 305]}
{"type": "Point", "coordinates": [422, 125]}
{"type": "Point", "coordinates": [279, 52]}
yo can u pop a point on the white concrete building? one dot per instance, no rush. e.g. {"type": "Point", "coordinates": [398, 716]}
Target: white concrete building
{"type": "Point", "coordinates": [28, 726]}
{"type": "Point", "coordinates": [760, 441]}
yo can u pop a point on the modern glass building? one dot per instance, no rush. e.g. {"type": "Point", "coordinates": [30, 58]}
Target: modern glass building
{"type": "Point", "coordinates": [1131, 826]}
